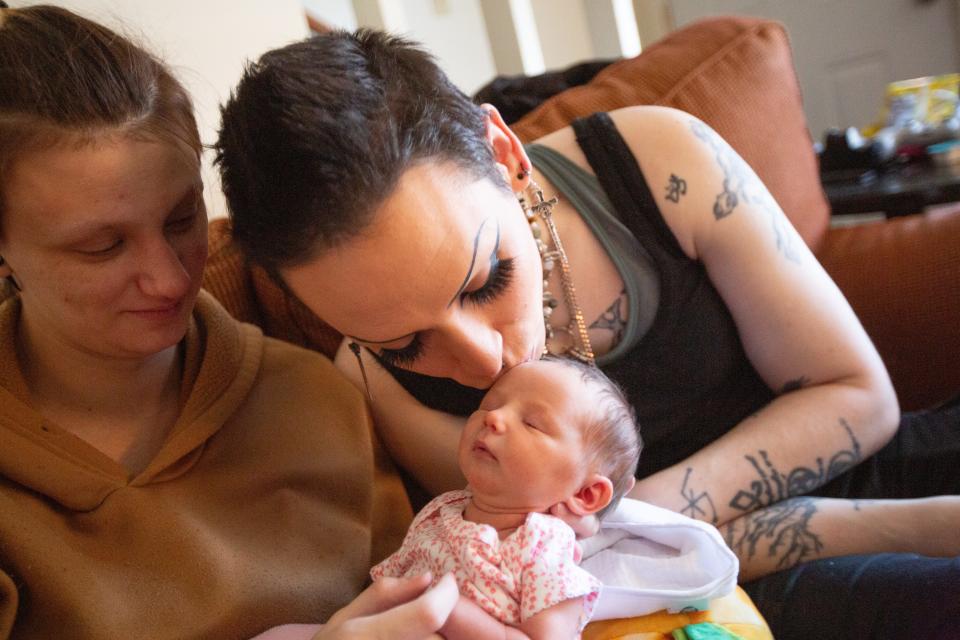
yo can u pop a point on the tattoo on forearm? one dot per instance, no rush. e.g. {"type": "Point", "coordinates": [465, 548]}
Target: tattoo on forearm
{"type": "Point", "coordinates": [676, 188]}
{"type": "Point", "coordinates": [772, 486]}
{"type": "Point", "coordinates": [784, 527]}
{"type": "Point", "coordinates": [699, 504]}
{"type": "Point", "coordinates": [739, 183]}
{"type": "Point", "coordinates": [793, 385]}
{"type": "Point", "coordinates": [613, 319]}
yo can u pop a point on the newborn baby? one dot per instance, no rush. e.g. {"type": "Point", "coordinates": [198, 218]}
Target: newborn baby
{"type": "Point", "coordinates": [552, 436]}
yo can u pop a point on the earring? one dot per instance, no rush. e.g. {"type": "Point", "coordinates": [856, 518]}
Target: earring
{"type": "Point", "coordinates": [524, 173]}
{"type": "Point", "coordinates": [355, 348]}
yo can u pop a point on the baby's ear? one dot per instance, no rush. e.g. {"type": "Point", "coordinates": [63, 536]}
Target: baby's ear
{"type": "Point", "coordinates": [594, 495]}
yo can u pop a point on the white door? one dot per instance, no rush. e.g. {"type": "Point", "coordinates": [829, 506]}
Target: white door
{"type": "Point", "coordinates": [846, 51]}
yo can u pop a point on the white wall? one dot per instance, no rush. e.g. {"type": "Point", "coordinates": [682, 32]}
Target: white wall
{"type": "Point", "coordinates": [206, 42]}
{"type": "Point", "coordinates": [336, 13]}
{"type": "Point", "coordinates": [454, 31]}
{"type": "Point", "coordinates": [846, 51]}
{"type": "Point", "coordinates": [475, 40]}
{"type": "Point", "coordinates": [564, 32]}
{"type": "Point", "coordinates": [654, 19]}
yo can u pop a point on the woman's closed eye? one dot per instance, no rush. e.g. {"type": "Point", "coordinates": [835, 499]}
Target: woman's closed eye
{"type": "Point", "coordinates": [182, 224]}
{"type": "Point", "coordinates": [101, 250]}
{"type": "Point", "coordinates": [403, 357]}
{"type": "Point", "coordinates": [501, 275]}
{"type": "Point", "coordinates": [186, 213]}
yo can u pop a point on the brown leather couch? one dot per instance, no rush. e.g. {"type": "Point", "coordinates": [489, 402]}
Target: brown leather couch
{"type": "Point", "coordinates": [902, 276]}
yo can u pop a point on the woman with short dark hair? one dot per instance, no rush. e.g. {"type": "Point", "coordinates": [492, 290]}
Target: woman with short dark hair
{"type": "Point", "coordinates": [379, 195]}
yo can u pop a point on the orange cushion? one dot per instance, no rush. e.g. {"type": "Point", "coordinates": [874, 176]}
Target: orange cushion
{"type": "Point", "coordinates": [251, 295]}
{"type": "Point", "coordinates": [902, 277]}
{"type": "Point", "coordinates": [737, 75]}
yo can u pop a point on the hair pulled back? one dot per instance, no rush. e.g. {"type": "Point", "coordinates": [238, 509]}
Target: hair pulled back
{"type": "Point", "coordinates": [68, 80]}
{"type": "Point", "coordinates": [318, 133]}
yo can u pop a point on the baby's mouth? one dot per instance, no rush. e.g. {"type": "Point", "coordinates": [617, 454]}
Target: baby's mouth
{"type": "Point", "coordinates": [481, 449]}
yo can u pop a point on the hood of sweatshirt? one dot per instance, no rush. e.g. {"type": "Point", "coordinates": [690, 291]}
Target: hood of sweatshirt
{"type": "Point", "coordinates": [221, 362]}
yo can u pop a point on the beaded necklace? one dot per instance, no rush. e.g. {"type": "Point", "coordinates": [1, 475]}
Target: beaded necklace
{"type": "Point", "coordinates": [579, 342]}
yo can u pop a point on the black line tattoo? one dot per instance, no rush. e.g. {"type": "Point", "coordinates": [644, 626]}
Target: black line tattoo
{"type": "Point", "coordinates": [676, 188]}
{"type": "Point", "coordinates": [793, 385]}
{"type": "Point", "coordinates": [785, 526]}
{"type": "Point", "coordinates": [772, 486]}
{"type": "Point", "coordinates": [740, 183]}
{"type": "Point", "coordinates": [697, 503]}
{"type": "Point", "coordinates": [612, 319]}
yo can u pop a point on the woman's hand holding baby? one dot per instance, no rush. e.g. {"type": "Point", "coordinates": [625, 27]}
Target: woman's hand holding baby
{"type": "Point", "coordinates": [584, 526]}
{"type": "Point", "coordinates": [395, 608]}
{"type": "Point", "coordinates": [389, 609]}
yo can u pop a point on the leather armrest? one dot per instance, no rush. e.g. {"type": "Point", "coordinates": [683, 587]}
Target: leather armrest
{"type": "Point", "coordinates": [902, 277]}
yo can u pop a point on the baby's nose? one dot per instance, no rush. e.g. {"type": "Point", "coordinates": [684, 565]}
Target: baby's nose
{"type": "Point", "coordinates": [495, 421]}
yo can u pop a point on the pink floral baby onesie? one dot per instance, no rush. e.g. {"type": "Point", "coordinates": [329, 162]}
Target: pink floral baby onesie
{"type": "Point", "coordinates": [534, 568]}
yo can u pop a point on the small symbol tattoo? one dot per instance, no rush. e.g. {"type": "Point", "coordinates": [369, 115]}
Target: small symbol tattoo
{"type": "Point", "coordinates": [676, 188]}
{"type": "Point", "coordinates": [697, 503]}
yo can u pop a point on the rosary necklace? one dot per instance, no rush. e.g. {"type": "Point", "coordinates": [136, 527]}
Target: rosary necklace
{"type": "Point", "coordinates": [579, 342]}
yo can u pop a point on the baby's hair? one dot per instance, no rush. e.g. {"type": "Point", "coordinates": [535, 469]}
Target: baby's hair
{"type": "Point", "coordinates": [612, 437]}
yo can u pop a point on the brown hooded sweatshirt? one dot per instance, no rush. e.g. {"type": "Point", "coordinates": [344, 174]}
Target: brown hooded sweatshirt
{"type": "Point", "coordinates": [267, 503]}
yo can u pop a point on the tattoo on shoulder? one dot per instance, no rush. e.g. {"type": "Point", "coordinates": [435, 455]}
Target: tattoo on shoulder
{"type": "Point", "coordinates": [699, 504]}
{"type": "Point", "coordinates": [773, 486]}
{"type": "Point", "coordinates": [781, 530]}
{"type": "Point", "coordinates": [795, 384]}
{"type": "Point", "coordinates": [741, 184]}
{"type": "Point", "coordinates": [613, 319]}
{"type": "Point", "coordinates": [675, 188]}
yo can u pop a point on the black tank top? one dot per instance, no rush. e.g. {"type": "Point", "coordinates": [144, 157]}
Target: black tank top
{"type": "Point", "coordinates": [687, 377]}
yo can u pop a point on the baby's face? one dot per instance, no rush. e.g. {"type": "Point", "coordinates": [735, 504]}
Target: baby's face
{"type": "Point", "coordinates": [523, 449]}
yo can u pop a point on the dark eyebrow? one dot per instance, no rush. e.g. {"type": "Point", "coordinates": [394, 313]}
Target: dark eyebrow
{"type": "Point", "coordinates": [473, 258]}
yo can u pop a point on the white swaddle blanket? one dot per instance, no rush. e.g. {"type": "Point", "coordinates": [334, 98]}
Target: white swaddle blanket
{"type": "Point", "coordinates": [649, 559]}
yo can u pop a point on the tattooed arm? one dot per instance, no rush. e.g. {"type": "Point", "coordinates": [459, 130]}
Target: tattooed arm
{"type": "Point", "coordinates": [800, 529]}
{"type": "Point", "coordinates": [836, 404]}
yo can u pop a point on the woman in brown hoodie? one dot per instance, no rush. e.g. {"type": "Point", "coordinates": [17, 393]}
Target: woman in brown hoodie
{"type": "Point", "coordinates": [165, 471]}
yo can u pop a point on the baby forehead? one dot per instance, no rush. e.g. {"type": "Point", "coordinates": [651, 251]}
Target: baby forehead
{"type": "Point", "coordinates": [558, 386]}
{"type": "Point", "coordinates": [553, 372]}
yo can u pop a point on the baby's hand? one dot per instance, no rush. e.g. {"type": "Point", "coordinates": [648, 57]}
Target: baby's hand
{"type": "Point", "coordinates": [583, 526]}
